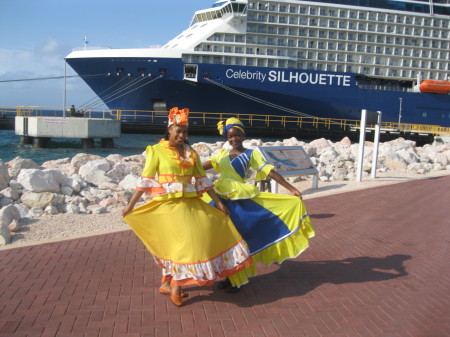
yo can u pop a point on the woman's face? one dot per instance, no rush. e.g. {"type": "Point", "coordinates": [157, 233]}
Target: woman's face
{"type": "Point", "coordinates": [177, 134]}
{"type": "Point", "coordinates": [235, 137]}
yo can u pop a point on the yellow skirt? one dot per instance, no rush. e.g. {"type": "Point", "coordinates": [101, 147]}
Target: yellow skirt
{"type": "Point", "coordinates": [192, 241]}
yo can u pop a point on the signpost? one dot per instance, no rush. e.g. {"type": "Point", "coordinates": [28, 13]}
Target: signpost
{"type": "Point", "coordinates": [368, 117]}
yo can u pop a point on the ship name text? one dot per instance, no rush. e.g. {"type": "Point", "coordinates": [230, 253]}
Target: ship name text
{"type": "Point", "coordinates": [290, 77]}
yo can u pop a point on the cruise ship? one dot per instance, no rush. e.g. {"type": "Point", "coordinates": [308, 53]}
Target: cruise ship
{"type": "Point", "coordinates": [326, 59]}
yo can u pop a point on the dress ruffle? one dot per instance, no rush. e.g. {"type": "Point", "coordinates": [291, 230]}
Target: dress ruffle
{"type": "Point", "coordinates": [276, 227]}
{"type": "Point", "coordinates": [206, 273]}
{"type": "Point", "coordinates": [193, 241]}
{"type": "Point", "coordinates": [291, 247]}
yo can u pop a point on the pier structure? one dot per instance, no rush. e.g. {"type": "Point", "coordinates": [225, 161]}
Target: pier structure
{"type": "Point", "coordinates": [39, 130]}
{"type": "Point", "coordinates": [204, 123]}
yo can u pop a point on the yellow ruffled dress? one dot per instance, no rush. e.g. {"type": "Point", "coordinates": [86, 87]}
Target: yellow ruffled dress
{"type": "Point", "coordinates": [275, 226]}
{"type": "Point", "coordinates": [194, 242]}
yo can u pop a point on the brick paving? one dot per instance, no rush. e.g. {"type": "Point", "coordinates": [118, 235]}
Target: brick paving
{"type": "Point", "coordinates": [379, 266]}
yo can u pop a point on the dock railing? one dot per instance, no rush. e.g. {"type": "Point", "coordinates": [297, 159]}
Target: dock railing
{"type": "Point", "coordinates": [211, 118]}
{"type": "Point", "coordinates": [42, 111]}
{"type": "Point", "coordinates": [275, 121]}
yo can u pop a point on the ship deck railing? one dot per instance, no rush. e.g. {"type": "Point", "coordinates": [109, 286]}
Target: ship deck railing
{"type": "Point", "coordinates": [198, 119]}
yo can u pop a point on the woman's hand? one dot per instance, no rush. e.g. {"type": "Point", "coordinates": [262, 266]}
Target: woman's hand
{"type": "Point", "coordinates": [296, 192]}
{"type": "Point", "coordinates": [220, 205]}
{"type": "Point", "coordinates": [134, 198]}
{"type": "Point", "coordinates": [127, 209]}
{"type": "Point", "coordinates": [280, 180]}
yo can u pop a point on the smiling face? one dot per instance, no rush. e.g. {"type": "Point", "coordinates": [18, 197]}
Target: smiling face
{"type": "Point", "coordinates": [235, 137]}
{"type": "Point", "coordinates": [177, 134]}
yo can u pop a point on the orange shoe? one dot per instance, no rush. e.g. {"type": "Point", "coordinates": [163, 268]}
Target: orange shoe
{"type": "Point", "coordinates": [176, 299]}
{"type": "Point", "coordinates": [167, 292]}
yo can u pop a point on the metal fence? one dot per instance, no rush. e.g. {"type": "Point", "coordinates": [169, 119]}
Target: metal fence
{"type": "Point", "coordinates": [210, 118]}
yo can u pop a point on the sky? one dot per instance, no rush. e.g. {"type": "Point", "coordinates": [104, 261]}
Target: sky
{"type": "Point", "coordinates": [36, 35]}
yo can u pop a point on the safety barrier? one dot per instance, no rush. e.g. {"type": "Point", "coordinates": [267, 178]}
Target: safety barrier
{"type": "Point", "coordinates": [211, 118]}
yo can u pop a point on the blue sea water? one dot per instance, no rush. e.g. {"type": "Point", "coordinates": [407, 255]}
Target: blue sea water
{"type": "Point", "coordinates": [58, 148]}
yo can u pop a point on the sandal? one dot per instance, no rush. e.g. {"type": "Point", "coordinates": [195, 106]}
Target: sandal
{"type": "Point", "coordinates": [167, 292]}
{"type": "Point", "coordinates": [176, 299]}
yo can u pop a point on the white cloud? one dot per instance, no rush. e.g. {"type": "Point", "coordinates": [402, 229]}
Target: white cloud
{"type": "Point", "coordinates": [45, 60]}
{"type": "Point", "coordinates": [49, 47]}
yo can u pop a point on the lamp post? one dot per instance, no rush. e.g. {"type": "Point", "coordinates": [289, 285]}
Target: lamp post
{"type": "Point", "coordinates": [400, 112]}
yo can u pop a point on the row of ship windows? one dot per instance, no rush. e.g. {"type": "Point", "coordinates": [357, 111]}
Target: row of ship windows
{"type": "Point", "coordinates": [395, 61]}
{"type": "Point", "coordinates": [356, 67]}
{"type": "Point", "coordinates": [443, 45]}
{"type": "Point", "coordinates": [372, 60]}
{"type": "Point", "coordinates": [401, 30]}
{"type": "Point", "coordinates": [350, 14]}
{"type": "Point", "coordinates": [322, 34]}
{"type": "Point", "coordinates": [367, 26]}
{"type": "Point", "coordinates": [329, 46]}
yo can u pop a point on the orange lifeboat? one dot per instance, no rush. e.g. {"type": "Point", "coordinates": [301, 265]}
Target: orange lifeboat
{"type": "Point", "coordinates": [435, 86]}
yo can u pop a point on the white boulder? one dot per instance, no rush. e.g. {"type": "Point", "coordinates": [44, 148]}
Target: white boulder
{"type": "Point", "coordinates": [42, 200]}
{"type": "Point", "coordinates": [35, 212]}
{"type": "Point", "coordinates": [80, 159]}
{"type": "Point", "coordinates": [51, 210]}
{"type": "Point", "coordinates": [35, 180]}
{"type": "Point", "coordinates": [7, 215]}
{"type": "Point", "coordinates": [129, 182]}
{"type": "Point", "coordinates": [203, 149]}
{"type": "Point", "coordinates": [4, 175]}
{"type": "Point", "coordinates": [22, 209]}
{"type": "Point", "coordinates": [11, 193]}
{"type": "Point", "coordinates": [119, 171]}
{"type": "Point", "coordinates": [62, 165]}
{"type": "Point", "coordinates": [94, 172]}
{"type": "Point", "coordinates": [17, 164]}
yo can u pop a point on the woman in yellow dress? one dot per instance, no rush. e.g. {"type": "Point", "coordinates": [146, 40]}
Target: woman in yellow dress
{"type": "Point", "coordinates": [193, 242]}
{"type": "Point", "coordinates": [275, 226]}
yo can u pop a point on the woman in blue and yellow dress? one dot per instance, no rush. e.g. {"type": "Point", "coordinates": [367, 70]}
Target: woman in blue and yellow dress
{"type": "Point", "coordinates": [275, 226]}
{"type": "Point", "coordinates": [193, 242]}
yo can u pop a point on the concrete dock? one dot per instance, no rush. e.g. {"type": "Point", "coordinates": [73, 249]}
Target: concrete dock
{"type": "Point", "coordinates": [38, 130]}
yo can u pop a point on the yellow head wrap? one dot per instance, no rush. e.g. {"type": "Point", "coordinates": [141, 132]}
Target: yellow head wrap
{"type": "Point", "coordinates": [230, 123]}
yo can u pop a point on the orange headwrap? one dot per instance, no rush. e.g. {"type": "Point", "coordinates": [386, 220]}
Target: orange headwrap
{"type": "Point", "coordinates": [178, 117]}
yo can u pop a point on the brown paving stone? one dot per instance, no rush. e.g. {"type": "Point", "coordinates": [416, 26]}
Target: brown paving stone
{"type": "Point", "coordinates": [378, 267]}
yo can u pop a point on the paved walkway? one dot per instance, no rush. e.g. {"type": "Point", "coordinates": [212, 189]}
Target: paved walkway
{"type": "Point", "coordinates": [379, 266]}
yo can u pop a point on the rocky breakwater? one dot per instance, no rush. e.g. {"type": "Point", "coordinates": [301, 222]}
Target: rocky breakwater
{"type": "Point", "coordinates": [90, 184]}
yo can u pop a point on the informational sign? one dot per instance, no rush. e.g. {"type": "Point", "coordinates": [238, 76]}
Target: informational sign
{"type": "Point", "coordinates": [288, 160]}
{"type": "Point", "coordinates": [54, 120]}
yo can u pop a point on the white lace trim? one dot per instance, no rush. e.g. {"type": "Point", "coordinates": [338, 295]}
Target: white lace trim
{"type": "Point", "coordinates": [209, 270]}
{"type": "Point", "coordinates": [201, 185]}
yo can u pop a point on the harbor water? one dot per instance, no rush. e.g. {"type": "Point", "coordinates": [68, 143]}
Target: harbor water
{"type": "Point", "coordinates": [59, 148]}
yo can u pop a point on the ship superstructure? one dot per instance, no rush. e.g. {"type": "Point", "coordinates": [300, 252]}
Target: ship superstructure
{"type": "Point", "coordinates": [397, 40]}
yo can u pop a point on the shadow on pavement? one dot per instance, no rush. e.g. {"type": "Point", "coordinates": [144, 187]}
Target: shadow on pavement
{"type": "Point", "coordinates": [297, 278]}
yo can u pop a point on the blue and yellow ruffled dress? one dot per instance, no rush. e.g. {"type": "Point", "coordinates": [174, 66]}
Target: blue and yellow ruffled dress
{"type": "Point", "coordinates": [275, 226]}
{"type": "Point", "coordinates": [194, 242]}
